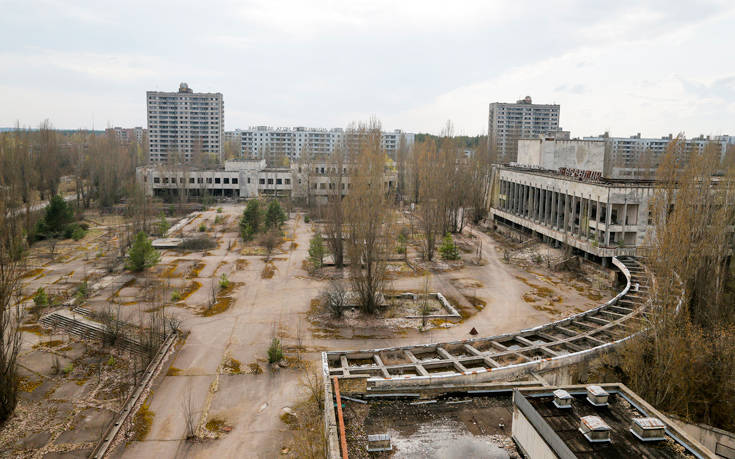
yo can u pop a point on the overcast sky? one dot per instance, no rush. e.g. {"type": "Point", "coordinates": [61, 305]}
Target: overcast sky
{"type": "Point", "coordinates": [623, 66]}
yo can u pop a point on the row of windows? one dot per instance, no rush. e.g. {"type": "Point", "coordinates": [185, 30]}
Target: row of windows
{"type": "Point", "coordinates": [225, 180]}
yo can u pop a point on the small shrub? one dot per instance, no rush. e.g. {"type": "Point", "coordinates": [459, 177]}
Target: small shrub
{"type": "Point", "coordinates": [68, 369]}
{"type": "Point", "coordinates": [306, 219]}
{"type": "Point", "coordinates": [448, 249]}
{"type": "Point", "coordinates": [274, 216]}
{"type": "Point", "coordinates": [111, 361]}
{"type": "Point", "coordinates": [82, 291]}
{"type": "Point", "coordinates": [198, 243]}
{"type": "Point", "coordinates": [202, 228]}
{"type": "Point", "coordinates": [275, 351]}
{"type": "Point", "coordinates": [223, 281]}
{"type": "Point", "coordinates": [40, 299]}
{"type": "Point", "coordinates": [335, 299]}
{"type": "Point", "coordinates": [219, 210]}
{"type": "Point", "coordinates": [163, 225]}
{"type": "Point", "coordinates": [78, 233]}
{"type": "Point", "coordinates": [142, 254]}
{"type": "Point", "coordinates": [316, 250]}
{"type": "Point", "coordinates": [219, 219]}
{"type": "Point", "coordinates": [175, 296]}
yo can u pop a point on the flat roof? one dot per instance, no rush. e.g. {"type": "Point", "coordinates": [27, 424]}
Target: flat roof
{"type": "Point", "coordinates": [618, 416]}
{"type": "Point", "coordinates": [448, 426]}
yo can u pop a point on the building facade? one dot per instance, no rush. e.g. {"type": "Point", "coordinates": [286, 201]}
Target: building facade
{"type": "Point", "coordinates": [509, 122]}
{"type": "Point", "coordinates": [184, 123]}
{"type": "Point", "coordinates": [310, 183]}
{"type": "Point", "coordinates": [126, 136]}
{"type": "Point", "coordinates": [265, 142]}
{"type": "Point", "coordinates": [638, 156]}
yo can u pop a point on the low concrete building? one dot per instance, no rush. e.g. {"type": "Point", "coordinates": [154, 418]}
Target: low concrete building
{"type": "Point", "coordinates": [250, 179]}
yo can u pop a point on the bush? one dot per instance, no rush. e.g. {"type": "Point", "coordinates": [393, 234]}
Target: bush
{"type": "Point", "coordinates": [274, 216]}
{"type": "Point", "coordinates": [306, 219]}
{"type": "Point", "coordinates": [163, 225]}
{"type": "Point", "coordinates": [175, 295]}
{"type": "Point", "coordinates": [250, 221]}
{"type": "Point", "coordinates": [448, 249]}
{"type": "Point", "coordinates": [335, 299]}
{"type": "Point", "coordinates": [219, 210]}
{"type": "Point", "coordinates": [142, 254]}
{"type": "Point", "coordinates": [40, 299]}
{"type": "Point", "coordinates": [198, 243]}
{"type": "Point", "coordinates": [58, 214]}
{"type": "Point", "coordinates": [202, 228]}
{"type": "Point", "coordinates": [316, 250]}
{"type": "Point", "coordinates": [275, 351]}
{"type": "Point", "coordinates": [223, 281]}
{"type": "Point", "coordinates": [82, 291]}
{"type": "Point", "coordinates": [219, 219]}
{"type": "Point", "coordinates": [78, 233]}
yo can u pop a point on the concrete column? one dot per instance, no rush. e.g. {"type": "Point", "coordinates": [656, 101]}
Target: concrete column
{"type": "Point", "coordinates": [597, 219]}
{"type": "Point", "coordinates": [608, 216]}
{"type": "Point", "coordinates": [589, 214]}
{"type": "Point", "coordinates": [554, 203]}
{"type": "Point", "coordinates": [581, 216]}
{"type": "Point", "coordinates": [549, 194]}
{"type": "Point", "coordinates": [542, 205]}
{"type": "Point", "coordinates": [538, 204]}
{"type": "Point", "coordinates": [572, 213]}
{"type": "Point", "coordinates": [625, 216]}
{"type": "Point", "coordinates": [524, 209]}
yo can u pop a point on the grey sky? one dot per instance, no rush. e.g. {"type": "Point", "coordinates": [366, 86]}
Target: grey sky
{"type": "Point", "coordinates": [654, 66]}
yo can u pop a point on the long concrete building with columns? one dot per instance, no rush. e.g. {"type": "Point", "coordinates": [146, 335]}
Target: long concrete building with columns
{"type": "Point", "coordinates": [559, 191]}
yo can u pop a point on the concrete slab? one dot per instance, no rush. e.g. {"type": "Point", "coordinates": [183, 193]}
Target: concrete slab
{"type": "Point", "coordinates": [87, 426]}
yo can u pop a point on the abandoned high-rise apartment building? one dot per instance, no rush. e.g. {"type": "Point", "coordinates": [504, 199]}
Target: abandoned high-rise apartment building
{"type": "Point", "coordinates": [184, 123]}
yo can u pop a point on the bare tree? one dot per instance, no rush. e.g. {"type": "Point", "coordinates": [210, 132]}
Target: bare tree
{"type": "Point", "coordinates": [368, 217]}
{"type": "Point", "coordinates": [684, 362]}
{"type": "Point", "coordinates": [10, 312]}
{"type": "Point", "coordinates": [337, 172]}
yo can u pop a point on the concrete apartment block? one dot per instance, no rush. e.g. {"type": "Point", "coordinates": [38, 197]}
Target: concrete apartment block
{"type": "Point", "coordinates": [509, 122]}
{"type": "Point", "coordinates": [184, 123]}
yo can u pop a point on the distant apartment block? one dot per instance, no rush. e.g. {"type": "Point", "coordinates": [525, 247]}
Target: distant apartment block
{"type": "Point", "coordinates": [638, 156]}
{"type": "Point", "coordinates": [265, 142]}
{"type": "Point", "coordinates": [508, 122]}
{"type": "Point", "coordinates": [127, 135]}
{"type": "Point", "coordinates": [184, 123]}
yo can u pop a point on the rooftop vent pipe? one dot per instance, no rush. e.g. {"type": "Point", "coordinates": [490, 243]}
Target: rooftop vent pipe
{"type": "Point", "coordinates": [597, 396]}
{"type": "Point", "coordinates": [594, 429]}
{"type": "Point", "coordinates": [562, 399]}
{"type": "Point", "coordinates": [648, 429]}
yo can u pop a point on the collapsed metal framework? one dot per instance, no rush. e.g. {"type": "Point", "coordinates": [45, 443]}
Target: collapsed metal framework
{"type": "Point", "coordinates": [548, 346]}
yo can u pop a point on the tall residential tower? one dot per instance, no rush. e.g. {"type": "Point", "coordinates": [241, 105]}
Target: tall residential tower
{"type": "Point", "coordinates": [509, 122]}
{"type": "Point", "coordinates": [184, 123]}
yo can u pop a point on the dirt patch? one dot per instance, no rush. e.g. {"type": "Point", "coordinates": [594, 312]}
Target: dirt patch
{"type": "Point", "coordinates": [269, 270]}
{"type": "Point", "coordinates": [241, 264]}
{"type": "Point", "coordinates": [231, 366]}
{"type": "Point", "coordinates": [254, 368]}
{"type": "Point", "coordinates": [142, 422]}
{"type": "Point", "coordinates": [173, 371]}
{"type": "Point", "coordinates": [222, 305]}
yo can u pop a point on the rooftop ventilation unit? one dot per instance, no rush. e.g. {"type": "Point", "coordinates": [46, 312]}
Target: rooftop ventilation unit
{"type": "Point", "coordinates": [594, 429]}
{"type": "Point", "coordinates": [597, 396]}
{"type": "Point", "coordinates": [648, 429]}
{"type": "Point", "coordinates": [378, 443]}
{"type": "Point", "coordinates": [562, 399]}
